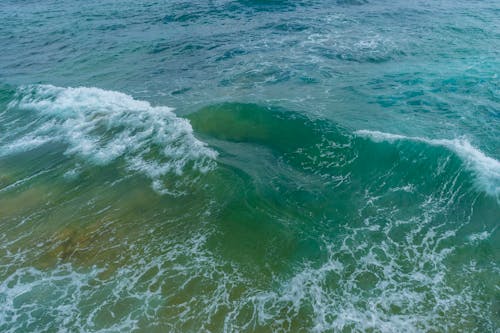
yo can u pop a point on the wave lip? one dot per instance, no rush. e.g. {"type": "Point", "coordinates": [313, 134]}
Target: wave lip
{"type": "Point", "coordinates": [101, 126]}
{"type": "Point", "coordinates": [486, 169]}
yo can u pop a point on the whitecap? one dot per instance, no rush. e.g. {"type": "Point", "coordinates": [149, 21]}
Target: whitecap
{"type": "Point", "coordinates": [101, 126]}
{"type": "Point", "coordinates": [486, 169]}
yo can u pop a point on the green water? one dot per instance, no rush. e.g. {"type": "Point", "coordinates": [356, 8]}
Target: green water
{"type": "Point", "coordinates": [327, 167]}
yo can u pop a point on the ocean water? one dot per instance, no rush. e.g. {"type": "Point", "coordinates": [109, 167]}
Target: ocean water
{"type": "Point", "coordinates": [249, 166]}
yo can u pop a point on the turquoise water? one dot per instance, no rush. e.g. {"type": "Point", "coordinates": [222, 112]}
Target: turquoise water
{"type": "Point", "coordinates": [249, 166]}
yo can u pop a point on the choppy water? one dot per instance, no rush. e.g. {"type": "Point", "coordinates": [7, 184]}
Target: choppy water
{"type": "Point", "coordinates": [249, 166]}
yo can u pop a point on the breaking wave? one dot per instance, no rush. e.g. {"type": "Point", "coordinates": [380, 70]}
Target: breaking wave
{"type": "Point", "coordinates": [486, 169]}
{"type": "Point", "coordinates": [102, 126]}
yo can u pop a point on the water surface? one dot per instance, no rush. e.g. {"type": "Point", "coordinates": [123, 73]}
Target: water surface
{"type": "Point", "coordinates": [249, 166]}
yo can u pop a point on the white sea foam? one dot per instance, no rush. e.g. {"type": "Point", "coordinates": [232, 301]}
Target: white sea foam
{"type": "Point", "coordinates": [393, 285]}
{"type": "Point", "coordinates": [101, 126]}
{"type": "Point", "coordinates": [136, 295]}
{"type": "Point", "coordinates": [486, 169]}
{"type": "Point", "coordinates": [170, 285]}
{"type": "Point", "coordinates": [22, 181]}
{"type": "Point", "coordinates": [480, 236]}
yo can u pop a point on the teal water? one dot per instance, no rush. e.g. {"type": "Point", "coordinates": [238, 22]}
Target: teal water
{"type": "Point", "coordinates": [249, 166]}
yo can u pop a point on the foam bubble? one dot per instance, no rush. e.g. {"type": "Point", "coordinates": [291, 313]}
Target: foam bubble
{"type": "Point", "coordinates": [22, 181]}
{"type": "Point", "coordinates": [102, 126]}
{"type": "Point", "coordinates": [485, 168]}
{"type": "Point", "coordinates": [480, 236]}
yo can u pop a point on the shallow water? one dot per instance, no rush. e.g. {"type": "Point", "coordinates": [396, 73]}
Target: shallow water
{"type": "Point", "coordinates": [246, 166]}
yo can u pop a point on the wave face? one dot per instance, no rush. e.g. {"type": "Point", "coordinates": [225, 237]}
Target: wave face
{"type": "Point", "coordinates": [102, 126]}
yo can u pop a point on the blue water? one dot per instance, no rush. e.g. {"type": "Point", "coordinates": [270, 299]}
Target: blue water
{"type": "Point", "coordinates": [250, 166]}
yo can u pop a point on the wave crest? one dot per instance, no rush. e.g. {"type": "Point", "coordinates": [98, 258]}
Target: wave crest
{"type": "Point", "coordinates": [102, 126]}
{"type": "Point", "coordinates": [486, 169]}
